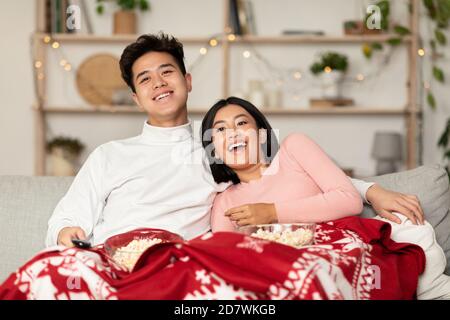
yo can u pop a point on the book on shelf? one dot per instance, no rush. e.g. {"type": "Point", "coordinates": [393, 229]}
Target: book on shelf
{"type": "Point", "coordinates": [234, 18]}
{"type": "Point", "coordinates": [242, 19]}
{"type": "Point", "coordinates": [250, 14]}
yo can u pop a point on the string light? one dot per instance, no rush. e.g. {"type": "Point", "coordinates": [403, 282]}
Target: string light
{"type": "Point", "coordinates": [203, 51]}
{"type": "Point", "coordinates": [360, 77]}
{"type": "Point", "coordinates": [38, 64]}
{"type": "Point", "coordinates": [55, 45]}
{"type": "Point", "coordinates": [297, 75]}
{"type": "Point", "coordinates": [68, 67]}
{"type": "Point", "coordinates": [47, 39]}
{"type": "Point", "coordinates": [41, 76]}
{"type": "Point", "coordinates": [246, 54]}
{"type": "Point", "coordinates": [421, 52]}
{"type": "Point", "coordinates": [231, 37]}
{"type": "Point", "coordinates": [327, 69]}
{"type": "Point", "coordinates": [63, 62]}
{"type": "Point", "coordinates": [213, 42]}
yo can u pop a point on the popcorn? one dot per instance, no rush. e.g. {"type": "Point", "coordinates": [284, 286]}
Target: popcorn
{"type": "Point", "coordinates": [297, 238]}
{"type": "Point", "coordinates": [128, 256]}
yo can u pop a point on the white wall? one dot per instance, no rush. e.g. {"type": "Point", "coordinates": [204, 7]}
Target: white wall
{"type": "Point", "coordinates": [346, 138]}
{"type": "Point", "coordinates": [16, 87]}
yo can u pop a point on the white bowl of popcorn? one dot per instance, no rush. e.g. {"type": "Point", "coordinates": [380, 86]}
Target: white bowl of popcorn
{"type": "Point", "coordinates": [125, 249]}
{"type": "Point", "coordinates": [292, 234]}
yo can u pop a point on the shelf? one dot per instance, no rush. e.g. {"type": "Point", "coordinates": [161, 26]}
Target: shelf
{"type": "Point", "coordinates": [279, 111]}
{"type": "Point", "coordinates": [294, 39]}
{"type": "Point", "coordinates": [282, 39]}
{"type": "Point", "coordinates": [88, 38]}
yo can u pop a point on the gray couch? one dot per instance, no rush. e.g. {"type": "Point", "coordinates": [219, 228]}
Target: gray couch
{"type": "Point", "coordinates": [26, 204]}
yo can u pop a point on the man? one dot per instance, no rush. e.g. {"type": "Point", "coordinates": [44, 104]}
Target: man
{"type": "Point", "coordinates": [143, 181]}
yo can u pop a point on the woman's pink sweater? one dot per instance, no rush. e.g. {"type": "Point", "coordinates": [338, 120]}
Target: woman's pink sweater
{"type": "Point", "coordinates": [303, 183]}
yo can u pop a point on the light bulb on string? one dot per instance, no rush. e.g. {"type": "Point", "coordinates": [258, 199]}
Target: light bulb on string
{"type": "Point", "coordinates": [203, 51]}
{"type": "Point", "coordinates": [55, 45]}
{"type": "Point", "coordinates": [327, 69]}
{"type": "Point", "coordinates": [213, 42]}
{"type": "Point", "coordinates": [421, 52]}
{"type": "Point", "coordinates": [38, 64]}
{"type": "Point", "coordinates": [63, 62]}
{"type": "Point", "coordinates": [68, 67]}
{"type": "Point", "coordinates": [231, 37]}
{"type": "Point", "coordinates": [360, 77]}
{"type": "Point", "coordinates": [297, 75]}
{"type": "Point", "coordinates": [47, 39]}
{"type": "Point", "coordinates": [246, 54]}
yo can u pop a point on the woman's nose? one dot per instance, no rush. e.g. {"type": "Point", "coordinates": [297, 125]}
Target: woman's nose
{"type": "Point", "coordinates": [233, 133]}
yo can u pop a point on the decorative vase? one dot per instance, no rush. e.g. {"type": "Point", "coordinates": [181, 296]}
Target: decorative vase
{"type": "Point", "coordinates": [331, 84]}
{"type": "Point", "coordinates": [256, 93]}
{"type": "Point", "coordinates": [125, 22]}
{"type": "Point", "coordinates": [62, 162]}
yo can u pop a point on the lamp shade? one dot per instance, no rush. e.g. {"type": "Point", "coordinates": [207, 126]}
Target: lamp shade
{"type": "Point", "coordinates": [387, 146]}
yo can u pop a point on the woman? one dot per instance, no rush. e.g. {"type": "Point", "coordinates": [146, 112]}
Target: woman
{"type": "Point", "coordinates": [297, 183]}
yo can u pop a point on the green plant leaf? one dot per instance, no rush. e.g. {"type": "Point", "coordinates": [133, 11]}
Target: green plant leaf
{"type": "Point", "coordinates": [394, 41]}
{"type": "Point", "coordinates": [438, 74]}
{"type": "Point", "coordinates": [440, 37]}
{"type": "Point", "coordinates": [429, 4]}
{"type": "Point", "coordinates": [144, 5]}
{"type": "Point", "coordinates": [433, 44]}
{"type": "Point", "coordinates": [431, 100]}
{"type": "Point", "coordinates": [443, 140]}
{"type": "Point", "coordinates": [402, 31]}
{"type": "Point", "coordinates": [367, 51]}
{"type": "Point", "coordinates": [377, 46]}
{"type": "Point", "coordinates": [100, 9]}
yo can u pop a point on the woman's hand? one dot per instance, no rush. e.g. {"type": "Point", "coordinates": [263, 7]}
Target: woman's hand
{"type": "Point", "coordinates": [385, 202]}
{"type": "Point", "coordinates": [254, 213]}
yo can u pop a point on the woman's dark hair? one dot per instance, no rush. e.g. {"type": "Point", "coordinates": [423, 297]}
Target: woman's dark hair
{"type": "Point", "coordinates": [220, 171]}
{"type": "Point", "coordinates": [148, 43]}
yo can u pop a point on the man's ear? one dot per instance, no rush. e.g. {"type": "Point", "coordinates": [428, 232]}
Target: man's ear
{"type": "Point", "coordinates": [136, 100]}
{"type": "Point", "coordinates": [188, 78]}
{"type": "Point", "coordinates": [262, 136]}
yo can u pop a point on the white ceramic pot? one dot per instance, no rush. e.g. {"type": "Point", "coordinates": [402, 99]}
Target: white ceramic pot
{"type": "Point", "coordinates": [62, 163]}
{"type": "Point", "coordinates": [331, 84]}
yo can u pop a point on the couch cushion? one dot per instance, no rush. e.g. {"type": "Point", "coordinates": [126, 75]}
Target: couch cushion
{"type": "Point", "coordinates": [431, 185]}
{"type": "Point", "coordinates": [26, 204]}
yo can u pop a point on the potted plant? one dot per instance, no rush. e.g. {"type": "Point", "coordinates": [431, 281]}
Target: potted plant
{"type": "Point", "coordinates": [64, 153]}
{"type": "Point", "coordinates": [330, 68]}
{"type": "Point", "coordinates": [125, 18]}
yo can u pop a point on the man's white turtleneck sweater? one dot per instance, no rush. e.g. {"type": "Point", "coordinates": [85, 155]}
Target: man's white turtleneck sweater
{"type": "Point", "coordinates": [159, 179]}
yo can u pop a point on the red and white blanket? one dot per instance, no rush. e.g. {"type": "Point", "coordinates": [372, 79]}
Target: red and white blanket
{"type": "Point", "coordinates": [353, 258]}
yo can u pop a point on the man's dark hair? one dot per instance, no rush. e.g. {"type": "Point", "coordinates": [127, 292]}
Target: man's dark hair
{"type": "Point", "coordinates": [160, 42]}
{"type": "Point", "coordinates": [220, 171]}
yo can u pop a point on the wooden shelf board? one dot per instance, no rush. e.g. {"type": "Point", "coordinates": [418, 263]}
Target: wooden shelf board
{"type": "Point", "coordinates": [274, 111]}
{"type": "Point", "coordinates": [80, 38]}
{"type": "Point", "coordinates": [317, 39]}
{"type": "Point", "coordinates": [282, 39]}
